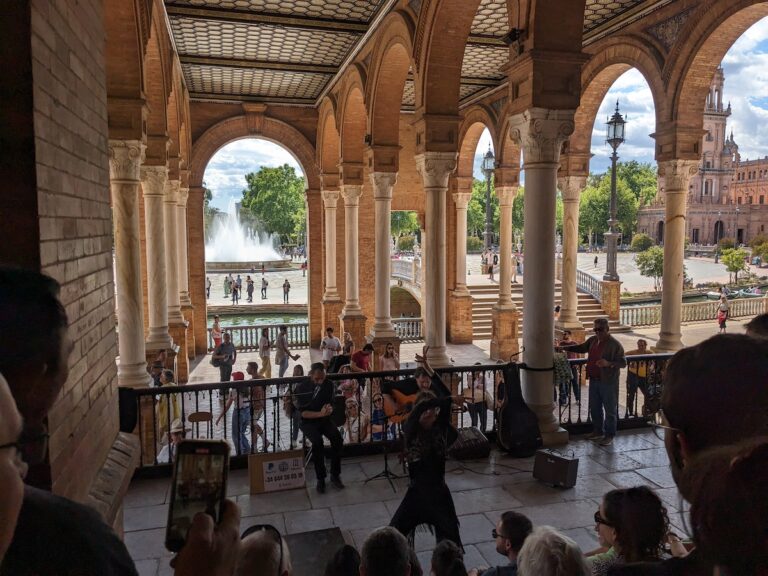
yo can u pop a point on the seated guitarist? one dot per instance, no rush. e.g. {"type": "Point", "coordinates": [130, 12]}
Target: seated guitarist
{"type": "Point", "coordinates": [400, 395]}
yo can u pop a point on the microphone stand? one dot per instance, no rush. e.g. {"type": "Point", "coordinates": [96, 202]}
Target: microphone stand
{"type": "Point", "coordinates": [386, 473]}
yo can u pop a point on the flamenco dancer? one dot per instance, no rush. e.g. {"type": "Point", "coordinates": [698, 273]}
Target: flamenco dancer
{"type": "Point", "coordinates": [428, 435]}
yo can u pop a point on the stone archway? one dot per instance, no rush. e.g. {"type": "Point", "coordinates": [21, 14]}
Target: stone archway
{"type": "Point", "coordinates": [253, 124]}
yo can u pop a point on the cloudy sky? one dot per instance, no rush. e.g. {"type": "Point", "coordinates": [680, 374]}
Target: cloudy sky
{"type": "Point", "coordinates": [746, 86]}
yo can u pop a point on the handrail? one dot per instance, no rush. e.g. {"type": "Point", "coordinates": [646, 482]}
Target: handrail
{"type": "Point", "coordinates": [589, 284]}
{"type": "Point", "coordinates": [246, 338]}
{"type": "Point", "coordinates": [409, 329]}
{"type": "Point", "coordinates": [692, 311]}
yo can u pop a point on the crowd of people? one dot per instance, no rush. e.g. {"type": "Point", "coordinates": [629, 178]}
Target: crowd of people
{"type": "Point", "coordinates": [713, 420]}
{"type": "Point", "coordinates": [233, 287]}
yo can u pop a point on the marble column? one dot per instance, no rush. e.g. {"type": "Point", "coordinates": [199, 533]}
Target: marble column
{"type": "Point", "coordinates": [332, 303]}
{"type": "Point", "coordinates": [352, 318]}
{"type": "Point", "coordinates": [125, 158]}
{"type": "Point", "coordinates": [505, 316]}
{"type": "Point", "coordinates": [170, 203]}
{"type": "Point", "coordinates": [540, 134]}
{"type": "Point", "coordinates": [153, 179]}
{"type": "Point", "coordinates": [383, 182]}
{"type": "Point", "coordinates": [435, 169]}
{"type": "Point", "coordinates": [181, 230]}
{"type": "Point", "coordinates": [461, 199]}
{"type": "Point", "coordinates": [571, 187]}
{"type": "Point", "coordinates": [677, 176]}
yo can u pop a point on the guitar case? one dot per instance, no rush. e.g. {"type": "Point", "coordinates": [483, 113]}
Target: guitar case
{"type": "Point", "coordinates": [517, 426]}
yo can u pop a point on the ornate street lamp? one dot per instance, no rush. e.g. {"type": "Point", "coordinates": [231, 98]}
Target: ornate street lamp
{"type": "Point", "coordinates": [615, 138]}
{"type": "Point", "coordinates": [489, 164]}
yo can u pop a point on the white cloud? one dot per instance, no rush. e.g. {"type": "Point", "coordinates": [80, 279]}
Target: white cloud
{"type": "Point", "coordinates": [482, 147]}
{"type": "Point", "coordinates": [225, 173]}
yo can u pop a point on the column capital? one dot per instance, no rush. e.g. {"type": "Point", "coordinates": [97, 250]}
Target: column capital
{"type": "Point", "coordinates": [540, 133]}
{"type": "Point", "coordinates": [330, 197]}
{"type": "Point", "coordinates": [383, 182]}
{"type": "Point", "coordinates": [183, 196]}
{"type": "Point", "coordinates": [571, 187]}
{"type": "Point", "coordinates": [125, 159]}
{"type": "Point", "coordinates": [461, 199]}
{"type": "Point", "coordinates": [436, 167]}
{"type": "Point", "coordinates": [677, 175]}
{"type": "Point", "coordinates": [172, 191]}
{"type": "Point", "coordinates": [506, 195]}
{"type": "Point", "coordinates": [351, 194]}
{"type": "Point", "coordinates": [153, 180]}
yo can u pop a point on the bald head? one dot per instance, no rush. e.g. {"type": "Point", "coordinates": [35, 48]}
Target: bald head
{"type": "Point", "coordinates": [260, 554]}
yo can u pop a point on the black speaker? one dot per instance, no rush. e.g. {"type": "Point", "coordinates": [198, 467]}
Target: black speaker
{"type": "Point", "coordinates": [551, 467]}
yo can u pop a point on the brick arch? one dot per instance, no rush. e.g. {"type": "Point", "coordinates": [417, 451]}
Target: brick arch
{"type": "Point", "coordinates": [353, 116]}
{"type": "Point", "coordinates": [507, 151]}
{"type": "Point", "coordinates": [610, 60]}
{"type": "Point", "coordinates": [126, 30]}
{"type": "Point", "coordinates": [442, 33]}
{"type": "Point", "coordinates": [173, 116]}
{"type": "Point", "coordinates": [157, 84]}
{"type": "Point", "coordinates": [475, 120]}
{"type": "Point", "coordinates": [391, 63]}
{"type": "Point", "coordinates": [328, 142]}
{"type": "Point", "coordinates": [237, 128]}
{"type": "Point", "coordinates": [709, 36]}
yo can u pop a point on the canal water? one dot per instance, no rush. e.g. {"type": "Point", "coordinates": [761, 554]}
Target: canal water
{"type": "Point", "coordinates": [258, 319]}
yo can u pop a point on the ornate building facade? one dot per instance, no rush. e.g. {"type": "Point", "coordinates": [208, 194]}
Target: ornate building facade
{"type": "Point", "coordinates": [727, 196]}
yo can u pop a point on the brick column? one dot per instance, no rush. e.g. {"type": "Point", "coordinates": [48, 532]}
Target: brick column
{"type": "Point", "coordinates": [435, 168]}
{"type": "Point", "coordinates": [505, 319]}
{"type": "Point", "coordinates": [332, 303]}
{"type": "Point", "coordinates": [540, 133]}
{"type": "Point", "coordinates": [571, 187]}
{"type": "Point", "coordinates": [153, 180]}
{"type": "Point", "coordinates": [124, 171]}
{"type": "Point", "coordinates": [352, 318]}
{"type": "Point", "coordinates": [677, 175]}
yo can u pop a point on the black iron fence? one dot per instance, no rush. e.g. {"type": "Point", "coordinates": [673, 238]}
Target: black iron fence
{"type": "Point", "coordinates": [260, 415]}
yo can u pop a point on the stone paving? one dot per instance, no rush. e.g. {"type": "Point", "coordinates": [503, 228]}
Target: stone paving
{"type": "Point", "coordinates": [481, 491]}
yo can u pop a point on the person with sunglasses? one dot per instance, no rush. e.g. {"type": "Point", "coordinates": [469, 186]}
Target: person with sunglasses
{"type": "Point", "coordinates": [605, 358]}
{"type": "Point", "coordinates": [263, 552]}
{"type": "Point", "coordinates": [509, 536]}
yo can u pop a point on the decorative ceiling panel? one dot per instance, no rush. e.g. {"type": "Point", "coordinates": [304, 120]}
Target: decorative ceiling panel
{"type": "Point", "coordinates": [491, 18]}
{"type": "Point", "coordinates": [598, 12]}
{"type": "Point", "coordinates": [218, 39]}
{"type": "Point", "coordinates": [248, 82]}
{"type": "Point", "coordinates": [468, 90]}
{"type": "Point", "coordinates": [356, 10]}
{"type": "Point", "coordinates": [484, 61]}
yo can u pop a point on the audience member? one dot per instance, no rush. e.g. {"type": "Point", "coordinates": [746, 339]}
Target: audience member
{"type": "Point", "coordinates": [415, 564]}
{"type": "Point", "coordinates": [263, 552]}
{"type": "Point", "coordinates": [12, 468]}
{"type": "Point", "coordinates": [510, 533]}
{"type": "Point", "coordinates": [632, 524]}
{"type": "Point", "coordinates": [55, 535]}
{"type": "Point", "coordinates": [361, 360]}
{"type": "Point", "coordinates": [385, 553]}
{"type": "Point", "coordinates": [758, 326]}
{"type": "Point", "coordinates": [546, 552]}
{"type": "Point", "coordinates": [168, 453]}
{"type": "Point", "coordinates": [445, 558]}
{"type": "Point", "coordinates": [346, 562]}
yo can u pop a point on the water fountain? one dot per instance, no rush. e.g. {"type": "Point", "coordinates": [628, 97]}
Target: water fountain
{"type": "Point", "coordinates": [233, 246]}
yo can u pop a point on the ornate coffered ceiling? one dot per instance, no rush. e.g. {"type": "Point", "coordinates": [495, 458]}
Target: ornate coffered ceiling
{"type": "Point", "coordinates": [291, 50]}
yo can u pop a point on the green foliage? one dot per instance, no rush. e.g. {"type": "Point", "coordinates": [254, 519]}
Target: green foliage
{"type": "Point", "coordinates": [641, 242]}
{"type": "Point", "coordinates": [594, 207]}
{"type": "Point", "coordinates": [761, 250]}
{"type": "Point", "coordinates": [650, 263]}
{"type": "Point", "coordinates": [274, 199]}
{"type": "Point", "coordinates": [518, 211]}
{"type": "Point", "coordinates": [405, 243]}
{"type": "Point", "coordinates": [735, 261]}
{"type": "Point", "coordinates": [476, 208]}
{"type": "Point", "coordinates": [726, 244]}
{"type": "Point", "coordinates": [403, 222]}
{"type": "Point", "coordinates": [641, 178]}
{"type": "Point", "coordinates": [757, 240]}
{"type": "Point", "coordinates": [474, 244]}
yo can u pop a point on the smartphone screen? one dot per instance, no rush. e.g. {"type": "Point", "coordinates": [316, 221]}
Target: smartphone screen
{"type": "Point", "coordinates": [199, 485]}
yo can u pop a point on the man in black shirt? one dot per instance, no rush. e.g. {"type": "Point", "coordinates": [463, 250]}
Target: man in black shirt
{"type": "Point", "coordinates": [314, 399]}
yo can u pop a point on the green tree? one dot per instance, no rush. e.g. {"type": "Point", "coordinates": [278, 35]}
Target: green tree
{"type": "Point", "coordinates": [271, 195]}
{"type": "Point", "coordinates": [476, 209]}
{"type": "Point", "coordinates": [651, 265]}
{"type": "Point", "coordinates": [735, 261]}
{"type": "Point", "coordinates": [641, 242]}
{"type": "Point", "coordinates": [518, 211]}
{"type": "Point", "coordinates": [403, 222]}
{"type": "Point", "coordinates": [594, 207]}
{"type": "Point", "coordinates": [726, 243]}
{"type": "Point", "coordinates": [641, 177]}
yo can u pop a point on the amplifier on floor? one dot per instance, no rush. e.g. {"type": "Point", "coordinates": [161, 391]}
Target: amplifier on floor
{"type": "Point", "coordinates": [552, 467]}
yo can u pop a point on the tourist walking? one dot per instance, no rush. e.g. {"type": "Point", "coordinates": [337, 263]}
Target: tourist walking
{"type": "Point", "coordinates": [605, 358]}
{"type": "Point", "coordinates": [283, 352]}
{"type": "Point", "coordinates": [207, 286]}
{"type": "Point", "coordinates": [224, 357]}
{"type": "Point", "coordinates": [226, 287]}
{"type": "Point", "coordinates": [723, 310]}
{"type": "Point", "coordinates": [249, 408]}
{"type": "Point", "coordinates": [515, 265]}
{"type": "Point", "coordinates": [490, 271]}
{"type": "Point", "coordinates": [235, 293]}
{"type": "Point", "coordinates": [249, 288]}
{"type": "Point", "coordinates": [264, 285]}
{"type": "Point", "coordinates": [265, 347]}
{"type": "Point", "coordinates": [286, 291]}
{"type": "Point", "coordinates": [239, 283]}
{"type": "Point", "coordinates": [216, 332]}
{"type": "Point", "coordinates": [330, 346]}
{"type": "Point", "coordinates": [304, 269]}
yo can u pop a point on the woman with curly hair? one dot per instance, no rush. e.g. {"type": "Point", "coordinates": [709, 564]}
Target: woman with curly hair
{"type": "Point", "coordinates": [632, 524]}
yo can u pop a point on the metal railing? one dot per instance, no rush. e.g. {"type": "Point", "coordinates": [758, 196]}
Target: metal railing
{"type": "Point", "coordinates": [246, 338]}
{"type": "Point", "coordinates": [589, 284]}
{"type": "Point", "coordinates": [409, 329]}
{"type": "Point", "coordinates": [260, 415]}
{"type": "Point", "coordinates": [692, 312]}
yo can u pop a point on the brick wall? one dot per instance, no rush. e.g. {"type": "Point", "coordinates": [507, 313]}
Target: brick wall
{"type": "Point", "coordinates": [403, 304]}
{"type": "Point", "coordinates": [70, 120]}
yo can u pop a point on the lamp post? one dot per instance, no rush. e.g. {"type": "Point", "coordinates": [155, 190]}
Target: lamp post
{"type": "Point", "coordinates": [489, 164]}
{"type": "Point", "coordinates": [615, 138]}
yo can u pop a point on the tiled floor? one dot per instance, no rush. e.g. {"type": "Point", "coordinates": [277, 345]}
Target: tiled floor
{"type": "Point", "coordinates": [481, 491]}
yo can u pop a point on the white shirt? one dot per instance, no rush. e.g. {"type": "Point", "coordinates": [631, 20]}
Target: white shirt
{"type": "Point", "coordinates": [264, 347]}
{"type": "Point", "coordinates": [332, 347]}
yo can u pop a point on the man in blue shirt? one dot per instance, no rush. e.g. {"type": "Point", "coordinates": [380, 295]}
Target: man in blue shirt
{"type": "Point", "coordinates": [511, 531]}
